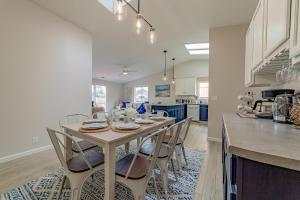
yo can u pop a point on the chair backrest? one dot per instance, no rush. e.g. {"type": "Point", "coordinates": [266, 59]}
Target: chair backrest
{"type": "Point", "coordinates": [59, 147]}
{"type": "Point", "coordinates": [100, 115]}
{"type": "Point", "coordinates": [185, 128]}
{"type": "Point", "coordinates": [162, 113]}
{"type": "Point", "coordinates": [175, 131]}
{"type": "Point", "coordinates": [72, 119]}
{"type": "Point", "coordinates": [157, 137]}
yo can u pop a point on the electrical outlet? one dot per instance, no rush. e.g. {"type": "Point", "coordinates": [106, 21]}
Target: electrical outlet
{"type": "Point", "coordinates": [35, 140]}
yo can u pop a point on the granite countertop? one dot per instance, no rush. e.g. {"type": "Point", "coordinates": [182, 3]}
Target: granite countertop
{"type": "Point", "coordinates": [263, 141]}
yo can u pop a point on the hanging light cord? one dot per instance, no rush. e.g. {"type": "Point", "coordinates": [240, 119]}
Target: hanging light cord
{"type": "Point", "coordinates": [173, 69]}
{"type": "Point", "coordinates": [165, 72]}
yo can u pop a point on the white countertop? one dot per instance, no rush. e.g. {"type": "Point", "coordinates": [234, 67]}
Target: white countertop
{"type": "Point", "coordinates": [263, 141]}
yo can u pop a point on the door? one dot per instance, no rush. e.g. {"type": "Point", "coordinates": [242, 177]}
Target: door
{"type": "Point", "coordinates": [258, 32]}
{"type": "Point", "coordinates": [277, 23]}
{"type": "Point", "coordinates": [249, 56]}
{"type": "Point", "coordinates": [295, 29]}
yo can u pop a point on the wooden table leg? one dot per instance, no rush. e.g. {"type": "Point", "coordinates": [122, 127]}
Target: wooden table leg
{"type": "Point", "coordinates": [109, 171]}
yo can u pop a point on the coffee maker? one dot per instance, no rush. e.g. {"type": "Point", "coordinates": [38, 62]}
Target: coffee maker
{"type": "Point", "coordinates": [282, 105]}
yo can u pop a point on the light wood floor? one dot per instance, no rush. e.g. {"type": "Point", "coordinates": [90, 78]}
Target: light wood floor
{"type": "Point", "coordinates": [19, 171]}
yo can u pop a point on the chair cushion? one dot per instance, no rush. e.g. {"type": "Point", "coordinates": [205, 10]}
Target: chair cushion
{"type": "Point", "coordinates": [77, 164]}
{"type": "Point", "coordinates": [84, 145]}
{"type": "Point", "coordinates": [168, 137]}
{"type": "Point", "coordinates": [148, 149]}
{"type": "Point", "coordinates": [139, 169]}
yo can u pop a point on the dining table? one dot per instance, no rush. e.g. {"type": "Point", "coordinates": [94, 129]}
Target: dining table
{"type": "Point", "coordinates": [109, 140]}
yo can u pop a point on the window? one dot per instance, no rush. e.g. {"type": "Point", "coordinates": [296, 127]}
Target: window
{"type": "Point", "coordinates": [203, 90]}
{"type": "Point", "coordinates": [140, 94]}
{"type": "Point", "coordinates": [99, 95]}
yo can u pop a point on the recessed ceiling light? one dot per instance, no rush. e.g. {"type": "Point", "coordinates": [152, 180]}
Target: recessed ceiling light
{"type": "Point", "coordinates": [199, 52]}
{"type": "Point", "coordinates": [197, 46]}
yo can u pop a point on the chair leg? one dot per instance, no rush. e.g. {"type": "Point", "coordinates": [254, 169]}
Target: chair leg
{"type": "Point", "coordinates": [184, 155]}
{"type": "Point", "coordinates": [174, 171]}
{"type": "Point", "coordinates": [178, 157]}
{"type": "Point", "coordinates": [163, 165]}
{"type": "Point", "coordinates": [62, 186]}
{"type": "Point", "coordinates": [155, 187]}
{"type": "Point", "coordinates": [127, 147]}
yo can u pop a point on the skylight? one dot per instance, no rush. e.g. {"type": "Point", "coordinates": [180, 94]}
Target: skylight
{"type": "Point", "coordinates": [199, 52]}
{"type": "Point", "coordinates": [198, 48]}
{"type": "Point", "coordinates": [109, 4]}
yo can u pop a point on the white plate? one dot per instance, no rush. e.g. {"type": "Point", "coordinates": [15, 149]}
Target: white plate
{"type": "Point", "coordinates": [94, 126]}
{"type": "Point", "coordinates": [92, 121]}
{"type": "Point", "coordinates": [127, 126]}
{"type": "Point", "coordinates": [144, 121]}
{"type": "Point", "coordinates": [158, 118]}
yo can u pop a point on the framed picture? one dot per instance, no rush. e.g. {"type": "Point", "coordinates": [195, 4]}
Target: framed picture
{"type": "Point", "coordinates": [162, 90]}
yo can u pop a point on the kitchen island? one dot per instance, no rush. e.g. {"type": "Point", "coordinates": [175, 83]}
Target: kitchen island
{"type": "Point", "coordinates": [261, 159]}
{"type": "Point", "coordinates": [178, 111]}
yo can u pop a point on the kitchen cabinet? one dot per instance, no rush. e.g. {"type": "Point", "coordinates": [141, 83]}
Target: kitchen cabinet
{"type": "Point", "coordinates": [193, 111]}
{"type": "Point", "coordinates": [178, 111]}
{"type": "Point", "coordinates": [185, 86]}
{"type": "Point", "coordinates": [258, 33]}
{"type": "Point", "coordinates": [249, 56]}
{"type": "Point", "coordinates": [295, 29]}
{"type": "Point", "coordinates": [277, 24]}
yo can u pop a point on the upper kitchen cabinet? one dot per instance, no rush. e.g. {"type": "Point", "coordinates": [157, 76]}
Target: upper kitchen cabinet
{"type": "Point", "coordinates": [249, 56]}
{"type": "Point", "coordinates": [277, 24]}
{"type": "Point", "coordinates": [295, 30]}
{"type": "Point", "coordinates": [258, 33]}
{"type": "Point", "coordinates": [185, 86]}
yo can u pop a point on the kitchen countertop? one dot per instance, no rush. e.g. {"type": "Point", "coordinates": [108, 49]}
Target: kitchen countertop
{"type": "Point", "coordinates": [263, 141]}
{"type": "Point", "coordinates": [175, 104]}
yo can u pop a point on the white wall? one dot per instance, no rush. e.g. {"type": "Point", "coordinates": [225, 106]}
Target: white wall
{"type": "Point", "coordinates": [226, 73]}
{"type": "Point", "coordinates": [192, 68]}
{"type": "Point", "coordinates": [45, 73]}
{"type": "Point", "coordinates": [114, 92]}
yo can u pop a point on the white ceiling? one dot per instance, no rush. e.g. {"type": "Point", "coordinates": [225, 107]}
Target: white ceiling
{"type": "Point", "coordinates": [177, 22]}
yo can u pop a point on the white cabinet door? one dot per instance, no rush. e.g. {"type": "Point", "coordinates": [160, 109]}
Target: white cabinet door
{"type": "Point", "coordinates": [185, 86]}
{"type": "Point", "coordinates": [277, 21]}
{"type": "Point", "coordinates": [295, 29]}
{"type": "Point", "coordinates": [179, 87]}
{"type": "Point", "coordinates": [190, 86]}
{"type": "Point", "coordinates": [249, 56]}
{"type": "Point", "coordinates": [258, 32]}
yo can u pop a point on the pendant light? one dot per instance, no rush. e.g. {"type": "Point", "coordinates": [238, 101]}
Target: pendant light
{"type": "Point", "coordinates": [121, 12]}
{"type": "Point", "coordinates": [165, 71]}
{"type": "Point", "coordinates": [173, 79]}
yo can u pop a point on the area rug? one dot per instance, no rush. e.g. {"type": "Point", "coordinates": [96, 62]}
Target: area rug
{"type": "Point", "coordinates": [48, 187]}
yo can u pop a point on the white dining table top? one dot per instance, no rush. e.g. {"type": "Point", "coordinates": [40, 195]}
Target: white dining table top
{"type": "Point", "coordinates": [111, 136]}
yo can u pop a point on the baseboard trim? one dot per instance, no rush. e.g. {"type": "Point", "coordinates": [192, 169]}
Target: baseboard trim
{"type": "Point", "coordinates": [25, 153]}
{"type": "Point", "coordinates": [214, 139]}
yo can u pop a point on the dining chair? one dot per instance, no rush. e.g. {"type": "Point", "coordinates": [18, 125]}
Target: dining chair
{"type": "Point", "coordinates": [136, 170]}
{"type": "Point", "coordinates": [79, 167]}
{"type": "Point", "coordinates": [180, 149]}
{"type": "Point", "coordinates": [165, 154]}
{"type": "Point", "coordinates": [77, 118]}
{"type": "Point", "coordinates": [162, 113]}
{"type": "Point", "coordinates": [100, 115]}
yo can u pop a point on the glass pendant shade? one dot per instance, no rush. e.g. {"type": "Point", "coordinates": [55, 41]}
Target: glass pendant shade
{"type": "Point", "coordinates": [138, 24]}
{"type": "Point", "coordinates": [152, 36]}
{"type": "Point", "coordinates": [121, 10]}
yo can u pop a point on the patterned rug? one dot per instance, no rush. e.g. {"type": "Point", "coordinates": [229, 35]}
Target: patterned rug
{"type": "Point", "coordinates": [48, 187]}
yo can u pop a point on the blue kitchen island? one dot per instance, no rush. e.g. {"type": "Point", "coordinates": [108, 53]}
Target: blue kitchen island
{"type": "Point", "coordinates": [178, 111]}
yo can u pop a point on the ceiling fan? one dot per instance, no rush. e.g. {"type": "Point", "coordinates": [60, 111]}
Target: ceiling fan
{"type": "Point", "coordinates": [126, 71]}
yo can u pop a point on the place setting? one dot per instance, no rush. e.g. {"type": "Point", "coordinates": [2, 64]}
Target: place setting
{"type": "Point", "coordinates": [94, 126]}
